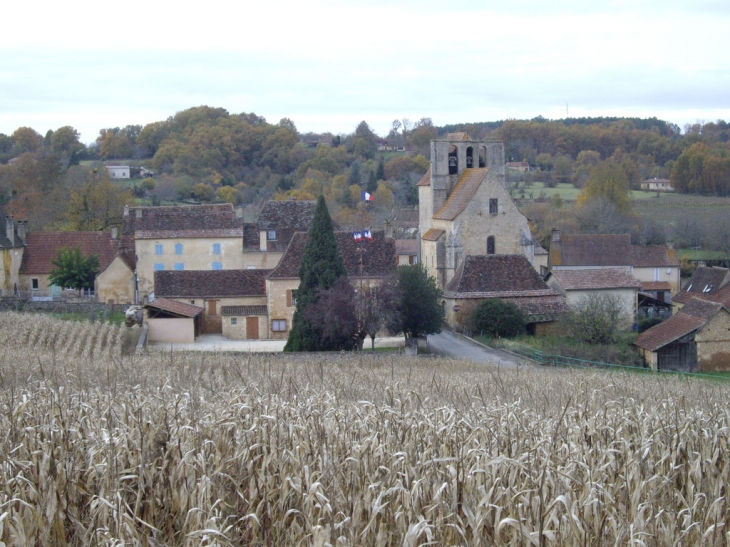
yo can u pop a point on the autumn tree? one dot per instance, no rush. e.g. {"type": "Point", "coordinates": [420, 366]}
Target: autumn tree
{"type": "Point", "coordinates": [608, 181]}
{"type": "Point", "coordinates": [97, 204]}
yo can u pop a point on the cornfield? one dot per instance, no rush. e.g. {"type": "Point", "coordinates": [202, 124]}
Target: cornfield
{"type": "Point", "coordinates": [344, 450]}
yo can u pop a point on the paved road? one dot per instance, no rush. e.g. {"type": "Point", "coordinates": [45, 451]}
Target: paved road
{"type": "Point", "coordinates": [448, 344]}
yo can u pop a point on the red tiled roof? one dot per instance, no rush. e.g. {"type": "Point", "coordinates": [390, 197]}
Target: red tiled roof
{"type": "Point", "coordinates": [43, 247]}
{"type": "Point", "coordinates": [462, 193]}
{"type": "Point", "coordinates": [655, 286]}
{"type": "Point", "coordinates": [406, 246]}
{"type": "Point", "coordinates": [533, 306]}
{"type": "Point", "coordinates": [175, 307]}
{"type": "Point", "coordinates": [210, 283]}
{"type": "Point", "coordinates": [691, 317]}
{"type": "Point", "coordinates": [195, 219]}
{"type": "Point", "coordinates": [654, 256]}
{"type": "Point", "coordinates": [494, 275]}
{"type": "Point", "coordinates": [595, 279]}
{"type": "Point", "coordinates": [378, 256]}
{"type": "Point", "coordinates": [592, 250]}
{"type": "Point", "coordinates": [433, 234]}
{"type": "Point", "coordinates": [426, 179]}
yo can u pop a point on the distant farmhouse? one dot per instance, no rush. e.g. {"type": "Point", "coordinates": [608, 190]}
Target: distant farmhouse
{"type": "Point", "coordinates": [118, 171]}
{"type": "Point", "coordinates": [657, 185]}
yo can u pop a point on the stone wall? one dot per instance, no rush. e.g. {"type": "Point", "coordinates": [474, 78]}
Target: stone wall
{"type": "Point", "coordinates": [713, 344]}
{"type": "Point", "coordinates": [19, 304]}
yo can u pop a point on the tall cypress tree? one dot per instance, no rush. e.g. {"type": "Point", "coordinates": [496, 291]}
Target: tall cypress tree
{"type": "Point", "coordinates": [321, 266]}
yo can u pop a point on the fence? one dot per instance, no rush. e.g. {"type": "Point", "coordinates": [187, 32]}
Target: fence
{"type": "Point", "coordinates": [549, 359]}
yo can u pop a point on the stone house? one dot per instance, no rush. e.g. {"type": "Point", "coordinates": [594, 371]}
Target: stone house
{"type": "Point", "coordinates": [697, 338]}
{"type": "Point", "coordinates": [707, 283]}
{"type": "Point", "coordinates": [265, 241]}
{"type": "Point", "coordinates": [12, 248]}
{"type": "Point", "coordinates": [407, 251]}
{"type": "Point", "coordinates": [465, 209]}
{"type": "Point", "coordinates": [201, 237]}
{"type": "Point", "coordinates": [366, 262]}
{"type": "Point", "coordinates": [233, 301]}
{"type": "Point", "coordinates": [118, 171]}
{"type": "Point", "coordinates": [644, 262]}
{"type": "Point", "coordinates": [113, 282]}
{"type": "Point", "coordinates": [507, 277]}
{"type": "Point", "coordinates": [578, 284]}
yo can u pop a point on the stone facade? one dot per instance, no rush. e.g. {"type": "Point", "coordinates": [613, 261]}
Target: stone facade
{"type": "Point", "coordinates": [713, 343]}
{"type": "Point", "coordinates": [671, 274]}
{"type": "Point", "coordinates": [281, 305]}
{"type": "Point", "coordinates": [465, 209]}
{"type": "Point", "coordinates": [115, 284]}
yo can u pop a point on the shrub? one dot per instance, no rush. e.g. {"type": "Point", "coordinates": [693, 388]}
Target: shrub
{"type": "Point", "coordinates": [496, 317]}
{"type": "Point", "coordinates": [648, 323]}
{"type": "Point", "coordinates": [597, 318]}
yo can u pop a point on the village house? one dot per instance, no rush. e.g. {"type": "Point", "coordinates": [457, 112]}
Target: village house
{"type": "Point", "coordinates": [647, 263]}
{"type": "Point", "coordinates": [707, 283]}
{"type": "Point", "coordinates": [521, 166]}
{"type": "Point", "coordinates": [233, 301]}
{"type": "Point", "coordinates": [465, 209]}
{"type": "Point", "coordinates": [118, 171]}
{"type": "Point", "coordinates": [12, 247]}
{"type": "Point", "coordinates": [576, 285]}
{"type": "Point", "coordinates": [510, 278]}
{"type": "Point", "coordinates": [201, 237]}
{"type": "Point", "coordinates": [265, 241]}
{"type": "Point", "coordinates": [697, 338]}
{"type": "Point", "coordinates": [657, 185]}
{"type": "Point", "coordinates": [114, 282]}
{"type": "Point", "coordinates": [366, 262]}
{"type": "Point", "coordinates": [407, 251]}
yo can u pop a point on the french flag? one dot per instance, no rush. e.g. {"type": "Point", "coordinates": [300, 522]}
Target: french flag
{"type": "Point", "coordinates": [366, 196]}
{"type": "Point", "coordinates": [358, 236]}
{"type": "Point", "coordinates": [367, 235]}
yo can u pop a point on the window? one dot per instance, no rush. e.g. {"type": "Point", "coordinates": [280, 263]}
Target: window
{"type": "Point", "coordinates": [34, 283]}
{"type": "Point", "coordinates": [216, 248]}
{"type": "Point", "coordinates": [291, 297]}
{"type": "Point", "coordinates": [179, 266]}
{"type": "Point", "coordinates": [278, 325]}
{"type": "Point", "coordinates": [493, 206]}
{"type": "Point", "coordinates": [271, 235]}
{"type": "Point", "coordinates": [192, 302]}
{"type": "Point", "coordinates": [490, 245]}
{"type": "Point", "coordinates": [217, 265]}
{"type": "Point", "coordinates": [159, 267]}
{"type": "Point", "coordinates": [158, 248]}
{"type": "Point", "coordinates": [178, 248]}
{"type": "Point", "coordinates": [234, 321]}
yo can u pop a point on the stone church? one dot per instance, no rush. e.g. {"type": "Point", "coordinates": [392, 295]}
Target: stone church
{"type": "Point", "coordinates": [465, 208]}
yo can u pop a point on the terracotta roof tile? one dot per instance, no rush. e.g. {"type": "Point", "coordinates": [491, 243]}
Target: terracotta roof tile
{"type": "Point", "coordinates": [595, 279]}
{"type": "Point", "coordinates": [406, 246]}
{"type": "Point", "coordinates": [433, 234]}
{"type": "Point", "coordinates": [379, 258]}
{"type": "Point", "coordinates": [191, 234]}
{"type": "Point", "coordinates": [593, 250]}
{"type": "Point", "coordinates": [43, 247]}
{"type": "Point", "coordinates": [210, 283]}
{"type": "Point", "coordinates": [197, 218]}
{"type": "Point", "coordinates": [287, 215]}
{"type": "Point", "coordinates": [462, 193]}
{"type": "Point", "coordinates": [175, 307]}
{"type": "Point", "coordinates": [244, 310]}
{"type": "Point", "coordinates": [655, 286]}
{"type": "Point", "coordinates": [654, 256]}
{"type": "Point", "coordinates": [511, 275]}
{"type": "Point", "coordinates": [707, 280]}
{"type": "Point", "coordinates": [459, 136]}
{"type": "Point", "coordinates": [548, 306]}
{"type": "Point", "coordinates": [426, 179]}
{"type": "Point", "coordinates": [668, 331]}
{"type": "Point", "coordinates": [703, 309]}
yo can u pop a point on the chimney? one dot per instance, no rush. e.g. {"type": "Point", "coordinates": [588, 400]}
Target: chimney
{"type": "Point", "coordinates": [126, 210]}
{"type": "Point", "coordinates": [115, 232]}
{"type": "Point", "coordinates": [555, 257]}
{"type": "Point", "coordinates": [238, 210]}
{"type": "Point", "coordinates": [670, 244]}
{"type": "Point", "coordinates": [22, 230]}
{"type": "Point", "coordinates": [10, 230]}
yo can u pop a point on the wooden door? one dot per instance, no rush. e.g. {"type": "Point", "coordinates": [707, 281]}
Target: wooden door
{"type": "Point", "coordinates": [252, 328]}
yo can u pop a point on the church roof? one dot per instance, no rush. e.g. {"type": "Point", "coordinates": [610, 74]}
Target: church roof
{"type": "Point", "coordinates": [433, 234]}
{"type": "Point", "coordinates": [462, 193]}
{"type": "Point", "coordinates": [426, 180]}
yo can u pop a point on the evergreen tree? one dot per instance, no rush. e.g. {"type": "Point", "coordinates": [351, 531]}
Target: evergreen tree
{"type": "Point", "coordinates": [419, 310]}
{"type": "Point", "coordinates": [354, 175]}
{"type": "Point", "coordinates": [321, 266]}
{"type": "Point", "coordinates": [380, 173]}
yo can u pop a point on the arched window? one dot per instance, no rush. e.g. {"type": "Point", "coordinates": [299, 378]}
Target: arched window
{"type": "Point", "coordinates": [482, 156]}
{"type": "Point", "coordinates": [469, 157]}
{"type": "Point", "coordinates": [453, 161]}
{"type": "Point", "coordinates": [490, 245]}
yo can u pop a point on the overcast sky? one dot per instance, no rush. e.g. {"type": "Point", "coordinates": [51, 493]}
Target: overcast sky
{"type": "Point", "coordinates": [328, 65]}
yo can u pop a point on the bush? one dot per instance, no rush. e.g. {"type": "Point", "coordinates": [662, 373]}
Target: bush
{"type": "Point", "coordinates": [597, 318]}
{"type": "Point", "coordinates": [496, 317]}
